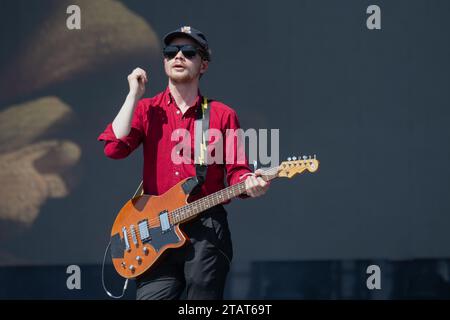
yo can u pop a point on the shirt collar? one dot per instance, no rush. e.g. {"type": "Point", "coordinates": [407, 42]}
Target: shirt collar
{"type": "Point", "coordinates": [169, 99]}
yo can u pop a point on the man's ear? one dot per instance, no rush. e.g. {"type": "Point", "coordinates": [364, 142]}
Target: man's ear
{"type": "Point", "coordinates": [204, 66]}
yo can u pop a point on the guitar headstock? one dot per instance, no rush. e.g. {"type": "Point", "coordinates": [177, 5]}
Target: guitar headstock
{"type": "Point", "coordinates": [295, 165]}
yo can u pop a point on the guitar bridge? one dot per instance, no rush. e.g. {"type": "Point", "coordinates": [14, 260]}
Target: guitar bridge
{"type": "Point", "coordinates": [125, 238]}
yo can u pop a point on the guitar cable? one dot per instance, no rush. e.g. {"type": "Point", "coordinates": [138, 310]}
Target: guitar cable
{"type": "Point", "coordinates": [103, 277]}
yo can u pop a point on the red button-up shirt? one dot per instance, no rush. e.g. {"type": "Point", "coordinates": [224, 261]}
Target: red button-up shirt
{"type": "Point", "coordinates": [154, 121]}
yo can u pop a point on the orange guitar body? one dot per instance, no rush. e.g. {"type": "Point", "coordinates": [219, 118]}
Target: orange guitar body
{"type": "Point", "coordinates": [140, 235]}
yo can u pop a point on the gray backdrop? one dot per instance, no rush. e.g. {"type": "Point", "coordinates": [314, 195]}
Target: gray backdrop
{"type": "Point", "coordinates": [372, 104]}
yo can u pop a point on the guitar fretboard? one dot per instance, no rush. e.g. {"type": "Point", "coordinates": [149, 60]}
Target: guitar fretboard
{"type": "Point", "coordinates": [200, 205]}
{"type": "Point", "coordinates": [188, 211]}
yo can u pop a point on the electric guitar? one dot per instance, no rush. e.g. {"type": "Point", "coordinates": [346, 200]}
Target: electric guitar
{"type": "Point", "coordinates": [149, 225]}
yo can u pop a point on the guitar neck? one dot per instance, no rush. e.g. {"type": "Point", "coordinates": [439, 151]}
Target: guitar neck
{"type": "Point", "coordinates": [192, 209]}
{"type": "Point", "coordinates": [286, 169]}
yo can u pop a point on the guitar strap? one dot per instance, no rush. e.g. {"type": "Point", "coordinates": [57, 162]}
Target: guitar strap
{"type": "Point", "coordinates": [201, 127]}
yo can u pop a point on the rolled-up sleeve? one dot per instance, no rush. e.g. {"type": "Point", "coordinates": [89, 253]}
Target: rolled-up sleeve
{"type": "Point", "coordinates": [120, 148]}
{"type": "Point", "coordinates": [236, 160]}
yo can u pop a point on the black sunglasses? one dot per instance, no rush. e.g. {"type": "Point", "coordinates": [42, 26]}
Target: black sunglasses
{"type": "Point", "coordinates": [187, 50]}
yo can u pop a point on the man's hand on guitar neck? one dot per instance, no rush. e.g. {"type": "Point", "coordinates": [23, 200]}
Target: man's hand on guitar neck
{"type": "Point", "coordinates": [255, 186]}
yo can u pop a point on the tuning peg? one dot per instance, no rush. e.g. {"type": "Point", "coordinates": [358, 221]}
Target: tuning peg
{"type": "Point", "coordinates": [309, 157]}
{"type": "Point", "coordinates": [289, 158]}
{"type": "Point", "coordinates": [294, 158]}
{"type": "Point", "coordinates": [305, 157]}
{"type": "Point", "coordinates": [314, 156]}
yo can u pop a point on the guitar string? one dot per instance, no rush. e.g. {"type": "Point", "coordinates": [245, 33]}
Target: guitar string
{"type": "Point", "coordinates": [213, 197]}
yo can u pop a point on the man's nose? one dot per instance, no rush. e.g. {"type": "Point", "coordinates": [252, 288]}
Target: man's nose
{"type": "Point", "coordinates": [180, 55]}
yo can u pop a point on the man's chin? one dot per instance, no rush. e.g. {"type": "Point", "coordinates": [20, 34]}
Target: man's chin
{"type": "Point", "coordinates": [181, 78]}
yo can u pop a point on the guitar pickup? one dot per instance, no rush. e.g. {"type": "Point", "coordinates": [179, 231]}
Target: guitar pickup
{"type": "Point", "coordinates": [164, 220]}
{"type": "Point", "coordinates": [144, 232]}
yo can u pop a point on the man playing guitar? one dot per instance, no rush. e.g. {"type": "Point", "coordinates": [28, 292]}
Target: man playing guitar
{"type": "Point", "coordinates": [201, 266]}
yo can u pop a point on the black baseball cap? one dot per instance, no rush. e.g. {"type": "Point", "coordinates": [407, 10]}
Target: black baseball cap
{"type": "Point", "coordinates": [194, 34]}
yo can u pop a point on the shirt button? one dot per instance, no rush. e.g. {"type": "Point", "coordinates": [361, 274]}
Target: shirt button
{"type": "Point", "coordinates": [177, 173]}
{"type": "Point", "coordinates": [178, 111]}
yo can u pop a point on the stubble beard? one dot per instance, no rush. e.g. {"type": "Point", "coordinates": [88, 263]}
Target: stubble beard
{"type": "Point", "coordinates": [183, 77]}
{"type": "Point", "coordinates": [180, 78]}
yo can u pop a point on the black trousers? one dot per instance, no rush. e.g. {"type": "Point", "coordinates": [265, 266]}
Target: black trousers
{"type": "Point", "coordinates": [201, 266]}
